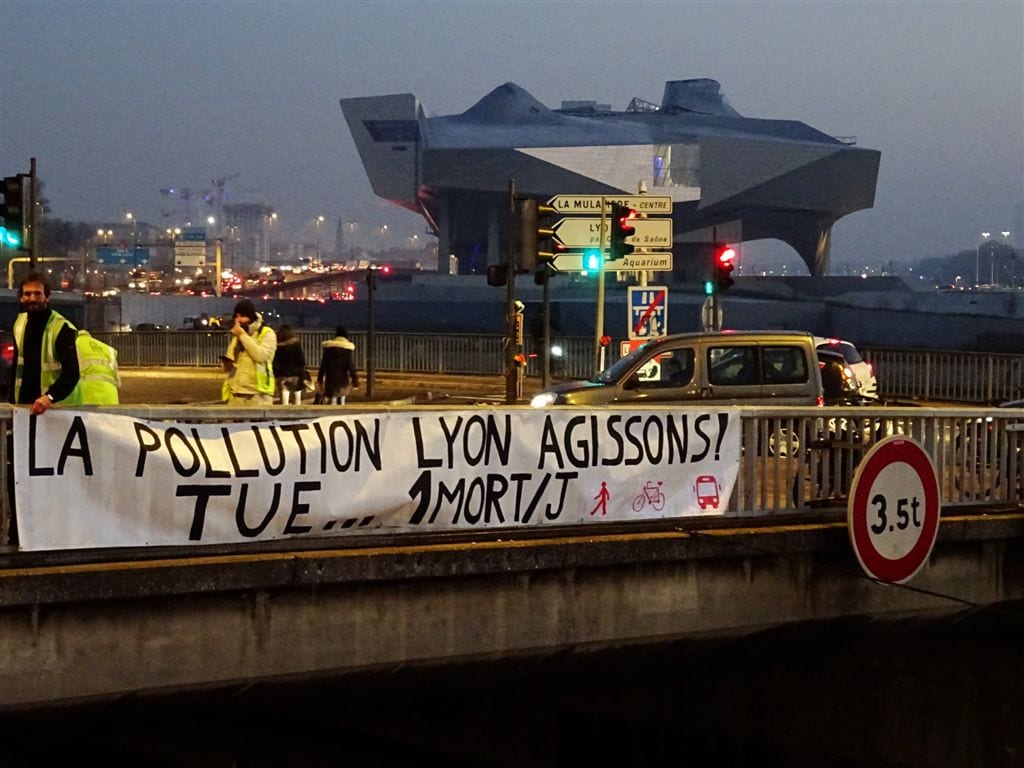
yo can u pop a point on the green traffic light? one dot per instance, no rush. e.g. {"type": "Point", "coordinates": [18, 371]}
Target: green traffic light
{"type": "Point", "coordinates": [592, 261]}
{"type": "Point", "coordinates": [10, 239]}
{"type": "Point", "coordinates": [709, 287]}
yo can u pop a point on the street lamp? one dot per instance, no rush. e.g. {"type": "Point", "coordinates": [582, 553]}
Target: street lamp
{"type": "Point", "coordinates": [1013, 258]}
{"type": "Point", "coordinates": [977, 257]}
{"type": "Point", "coordinates": [352, 226]}
{"type": "Point", "coordinates": [318, 220]}
{"type": "Point", "coordinates": [233, 239]}
{"type": "Point", "coordinates": [383, 230]}
{"type": "Point", "coordinates": [271, 218]}
{"type": "Point", "coordinates": [131, 221]}
{"type": "Point", "coordinates": [992, 258]}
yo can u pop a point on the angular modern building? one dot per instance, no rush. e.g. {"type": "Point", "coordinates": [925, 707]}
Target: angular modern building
{"type": "Point", "coordinates": [731, 178]}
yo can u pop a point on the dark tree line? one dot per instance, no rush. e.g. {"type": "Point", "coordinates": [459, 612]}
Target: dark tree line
{"type": "Point", "coordinates": [58, 237]}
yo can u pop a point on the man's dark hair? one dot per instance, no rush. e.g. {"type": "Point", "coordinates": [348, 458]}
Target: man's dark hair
{"type": "Point", "coordinates": [35, 277]}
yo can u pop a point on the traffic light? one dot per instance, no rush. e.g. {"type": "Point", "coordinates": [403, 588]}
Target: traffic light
{"type": "Point", "coordinates": [497, 275]}
{"type": "Point", "coordinates": [725, 256]}
{"type": "Point", "coordinates": [536, 243]}
{"type": "Point", "coordinates": [12, 214]}
{"type": "Point", "coordinates": [543, 274]}
{"type": "Point", "coordinates": [622, 227]}
{"type": "Point", "coordinates": [593, 260]}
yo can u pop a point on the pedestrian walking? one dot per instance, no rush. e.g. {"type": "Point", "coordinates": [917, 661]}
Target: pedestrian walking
{"type": "Point", "coordinates": [46, 369]}
{"type": "Point", "coordinates": [249, 359]}
{"type": "Point", "coordinates": [99, 378]}
{"type": "Point", "coordinates": [337, 376]}
{"type": "Point", "coordinates": [290, 366]}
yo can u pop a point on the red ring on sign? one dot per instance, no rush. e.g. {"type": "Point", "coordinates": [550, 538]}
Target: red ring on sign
{"type": "Point", "coordinates": [882, 568]}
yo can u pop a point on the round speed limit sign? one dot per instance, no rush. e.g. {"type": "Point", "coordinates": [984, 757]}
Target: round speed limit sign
{"type": "Point", "coordinates": [893, 512]}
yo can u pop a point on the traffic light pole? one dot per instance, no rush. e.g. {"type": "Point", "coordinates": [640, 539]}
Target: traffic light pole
{"type": "Point", "coordinates": [642, 279]}
{"type": "Point", "coordinates": [715, 325]}
{"type": "Point", "coordinates": [371, 332]}
{"type": "Point", "coordinates": [511, 375]}
{"type": "Point", "coordinates": [546, 371]}
{"type": "Point", "coordinates": [33, 216]}
{"type": "Point", "coordinates": [599, 319]}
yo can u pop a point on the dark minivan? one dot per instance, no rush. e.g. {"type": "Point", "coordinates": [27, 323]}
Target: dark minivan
{"type": "Point", "coordinates": [723, 368]}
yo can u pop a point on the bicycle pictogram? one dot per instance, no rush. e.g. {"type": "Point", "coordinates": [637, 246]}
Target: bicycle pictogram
{"type": "Point", "coordinates": [650, 494]}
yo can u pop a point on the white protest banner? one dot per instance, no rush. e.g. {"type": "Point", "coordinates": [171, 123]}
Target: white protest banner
{"type": "Point", "coordinates": [94, 479]}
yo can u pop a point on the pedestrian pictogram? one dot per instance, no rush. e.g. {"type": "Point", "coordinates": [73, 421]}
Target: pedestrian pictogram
{"type": "Point", "coordinates": [602, 500]}
{"type": "Point", "coordinates": [893, 513]}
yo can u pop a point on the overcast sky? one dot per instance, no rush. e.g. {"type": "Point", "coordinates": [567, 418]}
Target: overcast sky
{"type": "Point", "coordinates": [120, 100]}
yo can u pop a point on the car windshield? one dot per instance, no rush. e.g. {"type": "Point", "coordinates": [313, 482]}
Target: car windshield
{"type": "Point", "coordinates": [621, 366]}
{"type": "Point", "coordinates": [845, 348]}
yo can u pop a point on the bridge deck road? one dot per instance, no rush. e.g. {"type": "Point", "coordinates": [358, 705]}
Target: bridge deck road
{"type": "Point", "coordinates": [192, 386]}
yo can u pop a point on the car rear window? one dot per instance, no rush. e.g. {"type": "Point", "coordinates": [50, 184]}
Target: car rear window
{"type": "Point", "coordinates": [784, 365]}
{"type": "Point", "coordinates": [738, 365]}
{"type": "Point", "coordinates": [732, 366]}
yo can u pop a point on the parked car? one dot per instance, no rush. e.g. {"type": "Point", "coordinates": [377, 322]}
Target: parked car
{"type": "Point", "coordinates": [730, 367]}
{"type": "Point", "coordinates": [838, 379]}
{"type": "Point", "coordinates": [867, 384]}
{"type": "Point", "coordinates": [151, 327]}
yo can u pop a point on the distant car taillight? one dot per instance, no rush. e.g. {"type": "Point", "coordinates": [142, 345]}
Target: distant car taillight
{"type": "Point", "coordinates": [7, 352]}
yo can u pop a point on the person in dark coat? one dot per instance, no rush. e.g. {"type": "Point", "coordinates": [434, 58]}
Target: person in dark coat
{"type": "Point", "coordinates": [290, 366]}
{"type": "Point", "coordinates": [337, 375]}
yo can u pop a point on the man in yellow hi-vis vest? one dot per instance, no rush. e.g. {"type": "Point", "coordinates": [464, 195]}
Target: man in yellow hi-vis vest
{"type": "Point", "coordinates": [249, 359]}
{"type": "Point", "coordinates": [46, 368]}
{"type": "Point", "coordinates": [98, 376]}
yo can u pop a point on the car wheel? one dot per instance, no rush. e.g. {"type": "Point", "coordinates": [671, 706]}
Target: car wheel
{"type": "Point", "coordinates": [783, 442]}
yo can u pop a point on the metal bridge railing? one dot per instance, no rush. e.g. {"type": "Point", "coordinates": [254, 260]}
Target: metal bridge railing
{"type": "Point", "coordinates": [792, 459]}
{"type": "Point", "coordinates": [398, 352]}
{"type": "Point", "coordinates": [964, 377]}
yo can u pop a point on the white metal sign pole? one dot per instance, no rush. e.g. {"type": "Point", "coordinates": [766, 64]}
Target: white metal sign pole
{"type": "Point", "coordinates": [599, 320]}
{"type": "Point", "coordinates": [641, 189]}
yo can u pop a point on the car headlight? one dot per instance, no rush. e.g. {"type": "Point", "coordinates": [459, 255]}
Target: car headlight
{"type": "Point", "coordinates": [543, 400]}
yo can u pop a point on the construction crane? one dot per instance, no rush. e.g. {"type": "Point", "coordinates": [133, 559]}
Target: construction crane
{"type": "Point", "coordinates": [184, 197]}
{"type": "Point", "coordinates": [215, 197]}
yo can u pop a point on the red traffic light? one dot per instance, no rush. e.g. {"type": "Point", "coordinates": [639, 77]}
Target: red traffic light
{"type": "Point", "coordinates": [725, 256]}
{"type": "Point", "coordinates": [622, 217]}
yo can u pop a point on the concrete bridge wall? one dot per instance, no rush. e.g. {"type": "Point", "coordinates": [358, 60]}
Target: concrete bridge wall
{"type": "Point", "coordinates": [78, 632]}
